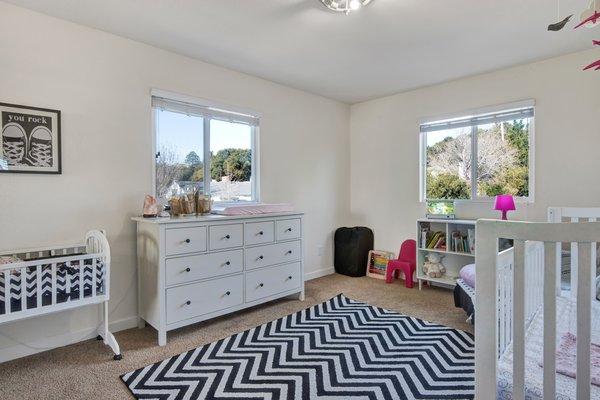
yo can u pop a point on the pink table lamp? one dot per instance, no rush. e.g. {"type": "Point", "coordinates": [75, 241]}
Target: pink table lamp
{"type": "Point", "coordinates": [504, 203]}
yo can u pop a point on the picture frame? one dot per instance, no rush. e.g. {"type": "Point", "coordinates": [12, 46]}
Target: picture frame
{"type": "Point", "coordinates": [440, 209]}
{"type": "Point", "coordinates": [30, 140]}
{"type": "Point", "coordinates": [377, 263]}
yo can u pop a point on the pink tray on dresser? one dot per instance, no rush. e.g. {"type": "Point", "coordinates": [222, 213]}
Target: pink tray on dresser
{"type": "Point", "coordinates": [252, 209]}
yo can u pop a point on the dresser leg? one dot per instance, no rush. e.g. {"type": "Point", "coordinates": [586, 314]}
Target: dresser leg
{"type": "Point", "coordinates": [141, 323]}
{"type": "Point", "coordinates": [162, 338]}
{"type": "Point", "coordinates": [301, 296]}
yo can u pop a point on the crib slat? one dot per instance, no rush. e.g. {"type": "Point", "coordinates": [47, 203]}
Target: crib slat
{"type": "Point", "coordinates": [574, 263]}
{"type": "Point", "coordinates": [81, 268]}
{"type": "Point", "coordinates": [94, 277]}
{"type": "Point", "coordinates": [38, 285]}
{"type": "Point", "coordinates": [7, 293]}
{"type": "Point", "coordinates": [519, 321]}
{"type": "Point", "coordinates": [584, 316]}
{"type": "Point", "coordinates": [593, 265]}
{"type": "Point", "coordinates": [550, 321]}
{"type": "Point", "coordinates": [23, 272]}
{"type": "Point", "coordinates": [53, 289]}
{"type": "Point", "coordinates": [68, 279]}
{"type": "Point", "coordinates": [501, 307]}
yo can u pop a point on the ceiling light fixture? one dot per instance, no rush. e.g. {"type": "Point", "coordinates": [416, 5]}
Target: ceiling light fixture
{"type": "Point", "coordinates": [345, 6]}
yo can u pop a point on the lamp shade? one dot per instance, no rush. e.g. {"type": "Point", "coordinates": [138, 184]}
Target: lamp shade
{"type": "Point", "coordinates": [504, 203]}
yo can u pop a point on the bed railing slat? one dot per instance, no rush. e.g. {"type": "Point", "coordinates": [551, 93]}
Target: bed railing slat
{"type": "Point", "coordinates": [38, 285]}
{"type": "Point", "coordinates": [94, 277]}
{"type": "Point", "coordinates": [584, 316]}
{"type": "Point", "coordinates": [486, 348]}
{"type": "Point", "coordinates": [54, 289]}
{"type": "Point", "coordinates": [81, 268]}
{"type": "Point", "coordinates": [68, 279]}
{"type": "Point", "coordinates": [7, 293]}
{"type": "Point", "coordinates": [519, 321]}
{"type": "Point", "coordinates": [23, 272]}
{"type": "Point", "coordinates": [574, 263]}
{"type": "Point", "coordinates": [502, 307]}
{"type": "Point", "coordinates": [550, 321]}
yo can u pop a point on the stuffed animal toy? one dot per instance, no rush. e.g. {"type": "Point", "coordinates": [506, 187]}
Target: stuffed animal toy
{"type": "Point", "coordinates": [433, 267]}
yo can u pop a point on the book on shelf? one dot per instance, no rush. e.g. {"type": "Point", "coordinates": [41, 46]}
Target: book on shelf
{"type": "Point", "coordinates": [471, 240]}
{"type": "Point", "coordinates": [434, 240]}
{"type": "Point", "coordinates": [461, 242]}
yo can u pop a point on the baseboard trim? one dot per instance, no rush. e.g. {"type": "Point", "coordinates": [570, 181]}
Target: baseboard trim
{"type": "Point", "coordinates": [318, 273]}
{"type": "Point", "coordinates": [65, 339]}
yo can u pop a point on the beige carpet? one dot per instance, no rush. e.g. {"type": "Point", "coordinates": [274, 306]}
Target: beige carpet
{"type": "Point", "coordinates": [86, 370]}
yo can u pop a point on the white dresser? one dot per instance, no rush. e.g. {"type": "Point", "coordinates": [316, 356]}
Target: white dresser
{"type": "Point", "coordinates": [192, 269]}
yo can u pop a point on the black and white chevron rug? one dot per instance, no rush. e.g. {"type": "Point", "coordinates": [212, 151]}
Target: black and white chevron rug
{"type": "Point", "coordinates": [340, 349]}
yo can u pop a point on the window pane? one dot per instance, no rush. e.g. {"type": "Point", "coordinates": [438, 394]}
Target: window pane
{"type": "Point", "coordinates": [503, 158]}
{"type": "Point", "coordinates": [180, 144]}
{"type": "Point", "coordinates": [231, 161]}
{"type": "Point", "coordinates": [449, 164]}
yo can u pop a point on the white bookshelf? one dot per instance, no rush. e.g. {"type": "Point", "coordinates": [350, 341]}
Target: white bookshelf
{"type": "Point", "coordinates": [452, 260]}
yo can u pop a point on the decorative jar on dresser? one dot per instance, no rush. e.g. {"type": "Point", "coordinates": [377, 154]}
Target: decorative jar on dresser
{"type": "Point", "coordinates": [191, 269]}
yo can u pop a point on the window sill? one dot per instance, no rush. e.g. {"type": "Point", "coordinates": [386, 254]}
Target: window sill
{"type": "Point", "coordinates": [518, 200]}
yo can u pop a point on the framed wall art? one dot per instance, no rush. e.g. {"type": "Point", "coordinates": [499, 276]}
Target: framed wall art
{"type": "Point", "coordinates": [29, 140]}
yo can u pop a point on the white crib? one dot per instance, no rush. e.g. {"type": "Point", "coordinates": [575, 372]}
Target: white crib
{"type": "Point", "coordinates": [52, 279]}
{"type": "Point", "coordinates": [534, 277]}
{"type": "Point", "coordinates": [524, 282]}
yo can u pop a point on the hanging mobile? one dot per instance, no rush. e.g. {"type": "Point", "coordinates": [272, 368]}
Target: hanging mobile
{"type": "Point", "coordinates": [561, 24]}
{"type": "Point", "coordinates": [590, 15]}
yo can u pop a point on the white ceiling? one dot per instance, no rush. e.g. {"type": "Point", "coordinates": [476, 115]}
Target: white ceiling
{"type": "Point", "coordinates": [390, 46]}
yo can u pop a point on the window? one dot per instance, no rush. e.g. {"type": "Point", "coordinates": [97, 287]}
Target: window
{"type": "Point", "coordinates": [478, 157]}
{"type": "Point", "coordinates": [204, 148]}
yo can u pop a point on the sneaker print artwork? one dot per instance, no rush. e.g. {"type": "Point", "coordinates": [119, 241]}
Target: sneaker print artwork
{"type": "Point", "coordinates": [30, 139]}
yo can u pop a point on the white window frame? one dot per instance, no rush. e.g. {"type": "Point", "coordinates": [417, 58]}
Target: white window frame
{"type": "Point", "coordinates": [475, 198]}
{"type": "Point", "coordinates": [213, 109]}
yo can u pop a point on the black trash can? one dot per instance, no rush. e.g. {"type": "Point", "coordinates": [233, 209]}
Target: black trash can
{"type": "Point", "coordinates": [352, 246]}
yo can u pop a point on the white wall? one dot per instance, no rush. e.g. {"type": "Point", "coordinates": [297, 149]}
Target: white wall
{"type": "Point", "coordinates": [385, 143]}
{"type": "Point", "coordinates": [101, 83]}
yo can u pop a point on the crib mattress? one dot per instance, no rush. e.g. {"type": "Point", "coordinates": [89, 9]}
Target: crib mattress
{"type": "Point", "coordinates": [534, 346]}
{"type": "Point", "coordinates": [67, 285]}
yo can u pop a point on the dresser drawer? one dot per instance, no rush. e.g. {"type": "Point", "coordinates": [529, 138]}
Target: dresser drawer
{"type": "Point", "coordinates": [259, 233]}
{"type": "Point", "coordinates": [185, 240]}
{"type": "Point", "coordinates": [195, 299]}
{"type": "Point", "coordinates": [269, 281]}
{"type": "Point", "coordinates": [226, 236]}
{"type": "Point", "coordinates": [192, 268]}
{"type": "Point", "coordinates": [288, 229]}
{"type": "Point", "coordinates": [272, 254]}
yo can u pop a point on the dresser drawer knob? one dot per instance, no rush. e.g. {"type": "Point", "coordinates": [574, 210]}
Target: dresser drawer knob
{"type": "Point", "coordinates": [261, 233]}
{"type": "Point", "coordinates": [289, 252]}
{"type": "Point", "coordinates": [290, 277]}
{"type": "Point", "coordinates": [288, 230]}
{"type": "Point", "coordinates": [261, 284]}
{"type": "Point", "coordinates": [187, 240]}
{"type": "Point", "coordinates": [187, 303]}
{"type": "Point", "coordinates": [260, 257]}
{"type": "Point", "coordinates": [227, 236]}
{"type": "Point", "coordinates": [187, 269]}
{"type": "Point", "coordinates": [228, 263]}
{"type": "Point", "coordinates": [227, 293]}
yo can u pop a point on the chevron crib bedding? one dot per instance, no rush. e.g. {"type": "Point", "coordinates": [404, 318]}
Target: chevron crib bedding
{"type": "Point", "coordinates": [67, 284]}
{"type": "Point", "coordinates": [339, 349]}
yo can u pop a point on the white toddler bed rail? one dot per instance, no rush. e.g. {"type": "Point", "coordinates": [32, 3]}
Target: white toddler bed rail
{"type": "Point", "coordinates": [488, 330]}
{"type": "Point", "coordinates": [534, 278]}
{"type": "Point", "coordinates": [572, 214]}
{"type": "Point", "coordinates": [52, 279]}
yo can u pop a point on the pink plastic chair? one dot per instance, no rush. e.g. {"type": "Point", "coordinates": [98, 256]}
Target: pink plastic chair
{"type": "Point", "coordinates": [406, 262]}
